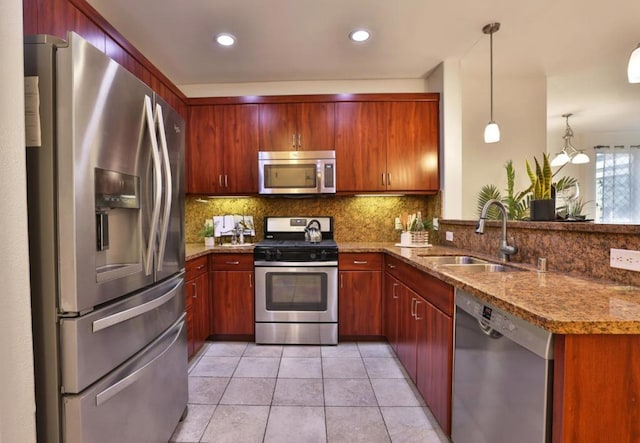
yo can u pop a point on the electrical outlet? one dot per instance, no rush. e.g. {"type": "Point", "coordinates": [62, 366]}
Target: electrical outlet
{"type": "Point", "coordinates": [435, 223]}
{"type": "Point", "coordinates": [448, 236]}
{"type": "Point", "coordinates": [625, 259]}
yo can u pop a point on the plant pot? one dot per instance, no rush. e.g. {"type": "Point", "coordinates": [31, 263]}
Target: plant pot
{"type": "Point", "coordinates": [543, 210]}
{"type": "Point", "coordinates": [209, 241]}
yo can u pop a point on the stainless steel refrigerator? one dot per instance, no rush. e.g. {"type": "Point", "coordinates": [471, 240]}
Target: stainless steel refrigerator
{"type": "Point", "coordinates": [105, 159]}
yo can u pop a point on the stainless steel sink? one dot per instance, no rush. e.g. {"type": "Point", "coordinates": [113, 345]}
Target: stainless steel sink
{"type": "Point", "coordinates": [482, 267]}
{"type": "Point", "coordinates": [453, 259]}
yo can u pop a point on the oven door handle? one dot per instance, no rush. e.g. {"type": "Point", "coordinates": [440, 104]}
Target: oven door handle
{"type": "Point", "coordinates": [296, 264]}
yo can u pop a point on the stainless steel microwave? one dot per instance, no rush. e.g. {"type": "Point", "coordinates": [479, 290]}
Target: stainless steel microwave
{"type": "Point", "coordinates": [297, 172]}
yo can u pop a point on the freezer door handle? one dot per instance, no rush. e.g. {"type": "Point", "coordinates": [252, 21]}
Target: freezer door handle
{"type": "Point", "coordinates": [168, 191]}
{"type": "Point", "coordinates": [122, 384]}
{"type": "Point", "coordinates": [157, 191]}
{"type": "Point", "coordinates": [128, 314]}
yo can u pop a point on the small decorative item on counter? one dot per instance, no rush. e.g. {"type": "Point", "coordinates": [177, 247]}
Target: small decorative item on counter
{"type": "Point", "coordinates": [207, 232]}
{"type": "Point", "coordinates": [405, 238]}
{"type": "Point", "coordinates": [414, 231]}
{"type": "Point", "coordinates": [419, 233]}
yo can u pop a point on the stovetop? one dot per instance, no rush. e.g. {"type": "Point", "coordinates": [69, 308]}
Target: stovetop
{"type": "Point", "coordinates": [284, 241]}
{"type": "Point", "coordinates": [300, 244]}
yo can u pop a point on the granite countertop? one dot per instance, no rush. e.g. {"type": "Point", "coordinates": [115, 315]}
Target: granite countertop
{"type": "Point", "coordinates": [556, 302]}
{"type": "Point", "coordinates": [195, 250]}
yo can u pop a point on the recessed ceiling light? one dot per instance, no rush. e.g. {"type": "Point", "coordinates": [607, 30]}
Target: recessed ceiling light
{"type": "Point", "coordinates": [225, 39]}
{"type": "Point", "coordinates": [359, 35]}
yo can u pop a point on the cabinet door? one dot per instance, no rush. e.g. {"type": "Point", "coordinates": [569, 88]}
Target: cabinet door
{"type": "Point", "coordinates": [412, 142]}
{"type": "Point", "coordinates": [316, 126]}
{"type": "Point", "coordinates": [239, 148]}
{"type": "Point", "coordinates": [233, 302]}
{"type": "Point", "coordinates": [434, 361]}
{"type": "Point", "coordinates": [278, 128]}
{"type": "Point", "coordinates": [361, 146]}
{"type": "Point", "coordinates": [198, 289]}
{"type": "Point", "coordinates": [391, 301]}
{"type": "Point", "coordinates": [205, 166]}
{"type": "Point", "coordinates": [407, 331]}
{"type": "Point", "coordinates": [359, 303]}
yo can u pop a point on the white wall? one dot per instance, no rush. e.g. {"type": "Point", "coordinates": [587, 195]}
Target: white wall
{"type": "Point", "coordinates": [445, 79]}
{"type": "Point", "coordinates": [17, 404]}
{"type": "Point", "coordinates": [519, 108]}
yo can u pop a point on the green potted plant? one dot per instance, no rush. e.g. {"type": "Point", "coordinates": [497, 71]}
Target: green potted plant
{"type": "Point", "coordinates": [542, 206]}
{"type": "Point", "coordinates": [207, 233]}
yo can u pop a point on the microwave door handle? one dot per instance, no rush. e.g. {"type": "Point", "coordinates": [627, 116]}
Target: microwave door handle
{"type": "Point", "coordinates": [319, 174]}
{"type": "Point", "coordinates": [168, 191]}
{"type": "Point", "coordinates": [157, 191]}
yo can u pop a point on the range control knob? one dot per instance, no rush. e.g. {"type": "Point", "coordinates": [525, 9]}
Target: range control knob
{"type": "Point", "coordinates": [267, 254]}
{"type": "Point", "coordinates": [312, 256]}
{"type": "Point", "coordinates": [323, 254]}
{"type": "Point", "coordinates": [278, 254]}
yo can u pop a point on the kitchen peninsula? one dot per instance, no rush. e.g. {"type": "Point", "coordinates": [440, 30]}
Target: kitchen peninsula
{"type": "Point", "coordinates": [596, 326]}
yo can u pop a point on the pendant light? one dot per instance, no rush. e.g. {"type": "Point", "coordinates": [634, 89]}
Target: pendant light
{"type": "Point", "coordinates": [568, 152]}
{"type": "Point", "coordinates": [491, 131]}
{"type": "Point", "coordinates": [633, 70]}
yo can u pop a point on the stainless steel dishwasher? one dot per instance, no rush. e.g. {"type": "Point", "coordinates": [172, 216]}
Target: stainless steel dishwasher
{"type": "Point", "coordinates": [502, 376]}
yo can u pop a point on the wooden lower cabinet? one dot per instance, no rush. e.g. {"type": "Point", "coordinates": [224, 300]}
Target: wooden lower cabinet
{"type": "Point", "coordinates": [419, 311]}
{"type": "Point", "coordinates": [233, 294]}
{"type": "Point", "coordinates": [434, 356]}
{"type": "Point", "coordinates": [596, 388]}
{"type": "Point", "coordinates": [360, 295]}
{"type": "Point", "coordinates": [197, 304]}
{"type": "Point", "coordinates": [391, 305]}
{"type": "Point", "coordinates": [407, 331]}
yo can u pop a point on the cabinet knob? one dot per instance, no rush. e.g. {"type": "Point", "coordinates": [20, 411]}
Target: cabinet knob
{"type": "Point", "coordinates": [390, 266]}
{"type": "Point", "coordinates": [232, 262]}
{"type": "Point", "coordinates": [200, 267]}
{"type": "Point", "coordinates": [360, 262]}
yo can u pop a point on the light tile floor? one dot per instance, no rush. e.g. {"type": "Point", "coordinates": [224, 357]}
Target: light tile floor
{"type": "Point", "coordinates": [353, 392]}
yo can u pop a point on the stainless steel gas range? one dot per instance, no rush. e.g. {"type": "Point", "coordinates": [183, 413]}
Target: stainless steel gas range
{"type": "Point", "coordinates": [296, 283]}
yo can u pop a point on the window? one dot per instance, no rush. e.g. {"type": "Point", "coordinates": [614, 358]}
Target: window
{"type": "Point", "coordinates": [617, 184]}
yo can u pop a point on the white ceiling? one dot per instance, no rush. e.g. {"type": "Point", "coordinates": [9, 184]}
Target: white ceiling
{"type": "Point", "coordinates": [582, 46]}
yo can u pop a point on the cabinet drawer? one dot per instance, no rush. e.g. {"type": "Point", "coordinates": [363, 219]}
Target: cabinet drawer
{"type": "Point", "coordinates": [435, 291]}
{"type": "Point", "coordinates": [196, 267]}
{"type": "Point", "coordinates": [365, 261]}
{"type": "Point", "coordinates": [231, 262]}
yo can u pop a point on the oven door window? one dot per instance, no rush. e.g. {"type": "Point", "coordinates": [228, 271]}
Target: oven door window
{"type": "Point", "coordinates": [302, 176]}
{"type": "Point", "coordinates": [286, 291]}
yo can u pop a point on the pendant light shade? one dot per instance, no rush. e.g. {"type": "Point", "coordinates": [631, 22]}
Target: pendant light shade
{"type": "Point", "coordinates": [491, 131]}
{"type": "Point", "coordinates": [633, 70]}
{"type": "Point", "coordinates": [568, 152]}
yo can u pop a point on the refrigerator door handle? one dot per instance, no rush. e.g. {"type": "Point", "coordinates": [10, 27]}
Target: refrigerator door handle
{"type": "Point", "coordinates": [157, 192]}
{"type": "Point", "coordinates": [128, 314]}
{"type": "Point", "coordinates": [122, 384]}
{"type": "Point", "coordinates": [168, 190]}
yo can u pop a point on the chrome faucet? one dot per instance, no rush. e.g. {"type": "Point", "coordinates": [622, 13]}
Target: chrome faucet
{"type": "Point", "coordinates": [505, 249]}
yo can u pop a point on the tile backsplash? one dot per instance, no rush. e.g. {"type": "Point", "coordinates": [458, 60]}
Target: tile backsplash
{"type": "Point", "coordinates": [356, 219]}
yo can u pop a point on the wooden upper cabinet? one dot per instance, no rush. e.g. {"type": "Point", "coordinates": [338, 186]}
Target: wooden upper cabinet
{"type": "Point", "coordinates": [412, 141]}
{"type": "Point", "coordinates": [223, 149]}
{"type": "Point", "coordinates": [361, 146]}
{"type": "Point", "coordinates": [205, 138]}
{"type": "Point", "coordinates": [297, 126]}
{"type": "Point", "coordinates": [240, 149]}
{"type": "Point", "coordinates": [387, 146]}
